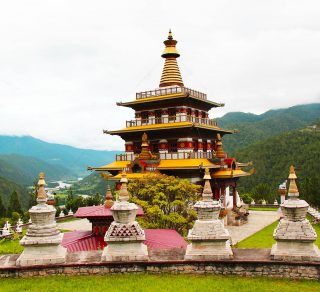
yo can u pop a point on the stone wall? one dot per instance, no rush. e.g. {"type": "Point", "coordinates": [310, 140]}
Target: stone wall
{"type": "Point", "coordinates": [247, 269]}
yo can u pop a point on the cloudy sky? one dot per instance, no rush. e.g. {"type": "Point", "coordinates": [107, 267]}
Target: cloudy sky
{"type": "Point", "coordinates": [65, 64]}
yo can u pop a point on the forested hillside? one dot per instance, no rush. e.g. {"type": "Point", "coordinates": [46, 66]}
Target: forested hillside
{"type": "Point", "coordinates": [273, 157]}
{"type": "Point", "coordinates": [24, 170]}
{"type": "Point", "coordinates": [75, 159]}
{"type": "Point", "coordinates": [7, 188]}
{"type": "Point", "coordinates": [253, 128]}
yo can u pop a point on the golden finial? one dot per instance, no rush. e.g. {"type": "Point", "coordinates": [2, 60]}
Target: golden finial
{"type": "Point", "coordinates": [207, 191]}
{"type": "Point", "coordinates": [123, 194]}
{"type": "Point", "coordinates": [219, 152]}
{"type": "Point", "coordinates": [293, 189]}
{"type": "Point", "coordinates": [171, 74]}
{"type": "Point", "coordinates": [108, 203]}
{"type": "Point", "coordinates": [41, 193]}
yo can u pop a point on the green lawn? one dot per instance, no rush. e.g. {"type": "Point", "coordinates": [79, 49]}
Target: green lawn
{"type": "Point", "coordinates": [164, 282]}
{"type": "Point", "coordinates": [264, 237]}
{"type": "Point", "coordinates": [263, 209]}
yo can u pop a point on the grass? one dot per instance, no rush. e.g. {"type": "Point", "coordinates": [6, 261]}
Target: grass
{"type": "Point", "coordinates": [264, 237]}
{"type": "Point", "coordinates": [12, 246]}
{"type": "Point", "coordinates": [260, 239]}
{"type": "Point", "coordinates": [263, 209]}
{"type": "Point", "coordinates": [164, 282]}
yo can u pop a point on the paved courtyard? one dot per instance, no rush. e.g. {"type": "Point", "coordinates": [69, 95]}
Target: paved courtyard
{"type": "Point", "coordinates": [257, 221]}
{"type": "Point", "coordinates": [82, 224]}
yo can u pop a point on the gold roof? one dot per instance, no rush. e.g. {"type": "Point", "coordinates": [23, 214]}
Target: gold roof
{"type": "Point", "coordinates": [229, 173]}
{"type": "Point", "coordinates": [130, 176]}
{"type": "Point", "coordinates": [171, 73]}
{"type": "Point", "coordinates": [167, 126]}
{"type": "Point", "coordinates": [185, 164]}
{"type": "Point", "coordinates": [116, 165]}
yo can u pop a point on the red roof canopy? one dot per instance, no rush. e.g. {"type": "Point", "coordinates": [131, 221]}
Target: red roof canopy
{"type": "Point", "coordinates": [155, 239]}
{"type": "Point", "coordinates": [99, 212]}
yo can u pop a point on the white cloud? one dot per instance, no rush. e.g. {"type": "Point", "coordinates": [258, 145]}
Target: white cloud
{"type": "Point", "coordinates": [64, 64]}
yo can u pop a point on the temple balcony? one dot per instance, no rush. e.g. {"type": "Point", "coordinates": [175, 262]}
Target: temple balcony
{"type": "Point", "coordinates": [171, 119]}
{"type": "Point", "coordinates": [171, 90]}
{"type": "Point", "coordinates": [170, 155]}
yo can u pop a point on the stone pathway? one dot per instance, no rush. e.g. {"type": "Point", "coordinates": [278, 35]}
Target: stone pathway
{"type": "Point", "coordinates": [257, 220]}
{"type": "Point", "coordinates": [82, 224]}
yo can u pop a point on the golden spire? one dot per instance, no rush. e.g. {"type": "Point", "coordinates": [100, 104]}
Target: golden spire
{"type": "Point", "coordinates": [207, 191]}
{"type": "Point", "coordinates": [171, 73]}
{"type": "Point", "coordinates": [219, 152]}
{"type": "Point", "coordinates": [41, 193]}
{"type": "Point", "coordinates": [145, 153]}
{"type": "Point", "coordinates": [293, 189]}
{"type": "Point", "coordinates": [123, 194]}
{"type": "Point", "coordinates": [108, 203]}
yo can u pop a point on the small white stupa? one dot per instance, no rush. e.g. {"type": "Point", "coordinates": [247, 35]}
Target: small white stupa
{"type": "Point", "coordinates": [42, 242]}
{"type": "Point", "coordinates": [124, 237]}
{"type": "Point", "coordinates": [294, 234]}
{"type": "Point", "coordinates": [209, 239]}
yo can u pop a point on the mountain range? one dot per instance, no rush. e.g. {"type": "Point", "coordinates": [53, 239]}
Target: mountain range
{"type": "Point", "coordinates": [253, 128]}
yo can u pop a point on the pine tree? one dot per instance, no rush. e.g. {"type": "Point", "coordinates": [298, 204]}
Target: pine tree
{"type": "Point", "coordinates": [14, 204]}
{"type": "Point", "coordinates": [3, 210]}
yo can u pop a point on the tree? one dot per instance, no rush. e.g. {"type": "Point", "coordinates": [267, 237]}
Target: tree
{"type": "Point", "coordinates": [14, 204]}
{"type": "Point", "coordinates": [3, 210]}
{"type": "Point", "coordinates": [166, 201]}
{"type": "Point", "coordinates": [263, 192]}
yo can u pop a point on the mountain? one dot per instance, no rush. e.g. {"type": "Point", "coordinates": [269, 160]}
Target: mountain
{"type": "Point", "coordinates": [272, 158]}
{"type": "Point", "coordinates": [75, 159]}
{"type": "Point", "coordinates": [8, 187]}
{"type": "Point", "coordinates": [24, 170]}
{"type": "Point", "coordinates": [253, 128]}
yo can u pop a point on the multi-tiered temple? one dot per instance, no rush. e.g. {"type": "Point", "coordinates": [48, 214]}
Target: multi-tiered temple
{"type": "Point", "coordinates": [173, 134]}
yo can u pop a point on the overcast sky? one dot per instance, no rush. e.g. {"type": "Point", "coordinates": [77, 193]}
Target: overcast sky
{"type": "Point", "coordinates": [65, 64]}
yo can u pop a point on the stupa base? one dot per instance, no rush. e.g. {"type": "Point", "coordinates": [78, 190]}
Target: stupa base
{"type": "Point", "coordinates": [125, 251]}
{"type": "Point", "coordinates": [35, 255]}
{"type": "Point", "coordinates": [295, 251]}
{"type": "Point", "coordinates": [209, 250]}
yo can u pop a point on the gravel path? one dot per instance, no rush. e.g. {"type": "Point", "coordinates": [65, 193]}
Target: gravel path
{"type": "Point", "coordinates": [257, 220]}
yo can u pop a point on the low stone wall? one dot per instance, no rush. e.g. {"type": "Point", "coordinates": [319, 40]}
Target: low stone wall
{"type": "Point", "coordinates": [237, 266]}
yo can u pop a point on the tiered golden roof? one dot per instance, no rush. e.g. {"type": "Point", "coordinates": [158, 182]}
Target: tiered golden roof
{"type": "Point", "coordinates": [171, 73]}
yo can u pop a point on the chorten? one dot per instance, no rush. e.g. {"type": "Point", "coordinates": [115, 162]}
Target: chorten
{"type": "Point", "coordinates": [124, 237]}
{"type": "Point", "coordinates": [294, 234]}
{"type": "Point", "coordinates": [42, 241]}
{"type": "Point", "coordinates": [209, 239]}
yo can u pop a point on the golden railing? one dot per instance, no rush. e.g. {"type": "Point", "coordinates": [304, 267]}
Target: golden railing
{"type": "Point", "coordinates": [171, 90]}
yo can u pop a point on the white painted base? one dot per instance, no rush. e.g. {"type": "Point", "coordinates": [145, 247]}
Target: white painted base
{"type": "Point", "coordinates": [209, 250]}
{"type": "Point", "coordinates": [125, 251]}
{"type": "Point", "coordinates": [42, 255]}
{"type": "Point", "coordinates": [295, 251]}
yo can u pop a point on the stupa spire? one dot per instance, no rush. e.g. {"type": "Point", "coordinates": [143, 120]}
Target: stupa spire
{"type": "Point", "coordinates": [123, 194]}
{"type": "Point", "coordinates": [293, 189]}
{"type": "Point", "coordinates": [108, 203]}
{"type": "Point", "coordinates": [171, 73]}
{"type": "Point", "coordinates": [219, 152]}
{"type": "Point", "coordinates": [41, 193]}
{"type": "Point", "coordinates": [207, 191]}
